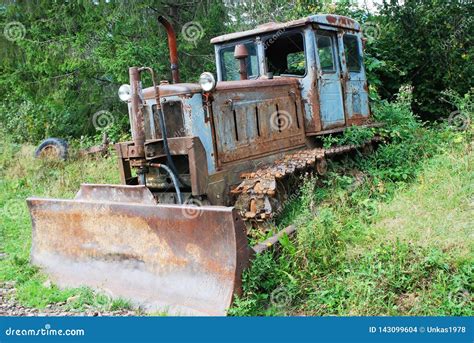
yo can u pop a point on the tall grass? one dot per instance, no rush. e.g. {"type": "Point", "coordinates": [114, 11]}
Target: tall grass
{"type": "Point", "coordinates": [22, 176]}
{"type": "Point", "coordinates": [387, 234]}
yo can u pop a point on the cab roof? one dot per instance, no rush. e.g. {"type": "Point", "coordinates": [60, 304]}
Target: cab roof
{"type": "Point", "coordinates": [322, 19]}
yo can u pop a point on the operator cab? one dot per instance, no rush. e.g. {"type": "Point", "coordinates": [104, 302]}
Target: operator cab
{"type": "Point", "coordinates": [323, 52]}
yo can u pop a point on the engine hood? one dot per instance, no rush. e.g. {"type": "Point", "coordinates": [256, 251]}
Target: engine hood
{"type": "Point", "coordinates": [173, 89]}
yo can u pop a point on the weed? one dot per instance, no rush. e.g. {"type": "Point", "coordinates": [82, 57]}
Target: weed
{"type": "Point", "coordinates": [389, 234]}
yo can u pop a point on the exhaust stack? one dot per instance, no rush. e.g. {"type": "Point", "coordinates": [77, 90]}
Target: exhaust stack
{"type": "Point", "coordinates": [172, 47]}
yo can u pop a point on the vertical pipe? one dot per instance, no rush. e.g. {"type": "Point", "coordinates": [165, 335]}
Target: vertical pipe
{"type": "Point", "coordinates": [172, 46]}
{"type": "Point", "coordinates": [138, 128]}
{"type": "Point", "coordinates": [243, 69]}
{"type": "Point", "coordinates": [241, 53]}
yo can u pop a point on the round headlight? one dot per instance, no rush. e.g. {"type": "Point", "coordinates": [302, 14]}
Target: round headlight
{"type": "Point", "coordinates": [207, 82]}
{"type": "Point", "coordinates": [124, 92]}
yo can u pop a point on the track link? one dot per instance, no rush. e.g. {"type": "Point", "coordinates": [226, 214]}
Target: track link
{"type": "Point", "coordinates": [262, 192]}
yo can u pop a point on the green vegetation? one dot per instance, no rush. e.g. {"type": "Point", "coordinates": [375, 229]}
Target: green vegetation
{"type": "Point", "coordinates": [388, 234]}
{"type": "Point", "coordinates": [21, 176]}
{"type": "Point", "coordinates": [65, 61]}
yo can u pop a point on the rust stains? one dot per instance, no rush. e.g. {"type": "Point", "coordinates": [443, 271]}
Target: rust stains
{"type": "Point", "coordinates": [160, 256]}
{"type": "Point", "coordinates": [341, 21]}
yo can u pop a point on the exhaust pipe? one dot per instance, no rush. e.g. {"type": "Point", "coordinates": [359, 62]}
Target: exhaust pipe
{"type": "Point", "coordinates": [136, 152]}
{"type": "Point", "coordinates": [241, 54]}
{"type": "Point", "coordinates": [172, 47]}
{"type": "Point", "coordinates": [138, 128]}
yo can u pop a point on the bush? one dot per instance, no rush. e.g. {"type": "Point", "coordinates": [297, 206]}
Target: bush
{"type": "Point", "coordinates": [337, 265]}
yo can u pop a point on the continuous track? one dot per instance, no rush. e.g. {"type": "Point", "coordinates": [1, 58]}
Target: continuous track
{"type": "Point", "coordinates": [262, 192]}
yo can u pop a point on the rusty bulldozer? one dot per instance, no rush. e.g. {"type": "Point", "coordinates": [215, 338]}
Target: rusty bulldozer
{"type": "Point", "coordinates": [208, 161]}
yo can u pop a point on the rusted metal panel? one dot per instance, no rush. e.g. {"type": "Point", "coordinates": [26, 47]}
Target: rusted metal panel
{"type": "Point", "coordinates": [197, 166]}
{"type": "Point", "coordinates": [172, 90]}
{"type": "Point", "coordinates": [309, 85]}
{"type": "Point", "coordinates": [260, 84]}
{"type": "Point", "coordinates": [181, 260]}
{"type": "Point", "coordinates": [341, 129]}
{"type": "Point", "coordinates": [257, 119]}
{"type": "Point", "coordinates": [125, 170]}
{"type": "Point", "coordinates": [195, 123]}
{"type": "Point", "coordinates": [338, 21]}
{"type": "Point", "coordinates": [115, 193]}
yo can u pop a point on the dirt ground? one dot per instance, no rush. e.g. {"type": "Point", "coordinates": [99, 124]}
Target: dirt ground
{"type": "Point", "coordinates": [10, 307]}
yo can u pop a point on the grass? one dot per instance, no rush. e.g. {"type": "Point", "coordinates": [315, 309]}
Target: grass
{"type": "Point", "coordinates": [387, 234]}
{"type": "Point", "coordinates": [23, 176]}
{"type": "Point", "coordinates": [410, 255]}
{"type": "Point", "coordinates": [436, 211]}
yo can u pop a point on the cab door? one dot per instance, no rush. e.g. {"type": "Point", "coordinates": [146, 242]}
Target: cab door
{"type": "Point", "coordinates": [355, 87]}
{"type": "Point", "coordinates": [329, 80]}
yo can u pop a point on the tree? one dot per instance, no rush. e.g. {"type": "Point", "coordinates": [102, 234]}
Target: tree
{"type": "Point", "coordinates": [63, 62]}
{"type": "Point", "coordinates": [427, 44]}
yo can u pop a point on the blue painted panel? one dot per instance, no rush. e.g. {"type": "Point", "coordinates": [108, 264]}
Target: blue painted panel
{"type": "Point", "coordinates": [329, 84]}
{"type": "Point", "coordinates": [307, 87]}
{"type": "Point", "coordinates": [357, 98]}
{"type": "Point", "coordinates": [195, 125]}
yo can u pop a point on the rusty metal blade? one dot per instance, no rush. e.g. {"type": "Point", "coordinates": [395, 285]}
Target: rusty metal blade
{"type": "Point", "coordinates": [181, 260]}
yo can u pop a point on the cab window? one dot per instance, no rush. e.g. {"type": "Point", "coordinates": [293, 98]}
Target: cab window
{"type": "Point", "coordinates": [230, 65]}
{"type": "Point", "coordinates": [325, 53]}
{"type": "Point", "coordinates": [285, 54]}
{"type": "Point", "coordinates": [351, 50]}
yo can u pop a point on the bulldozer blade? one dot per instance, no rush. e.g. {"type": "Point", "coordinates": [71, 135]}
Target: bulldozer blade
{"type": "Point", "coordinates": [174, 259]}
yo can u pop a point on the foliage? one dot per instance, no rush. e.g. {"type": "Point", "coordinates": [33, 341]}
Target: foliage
{"type": "Point", "coordinates": [345, 260]}
{"type": "Point", "coordinates": [74, 56]}
{"type": "Point", "coordinates": [355, 254]}
{"type": "Point", "coordinates": [21, 175]}
{"type": "Point", "coordinates": [427, 44]}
